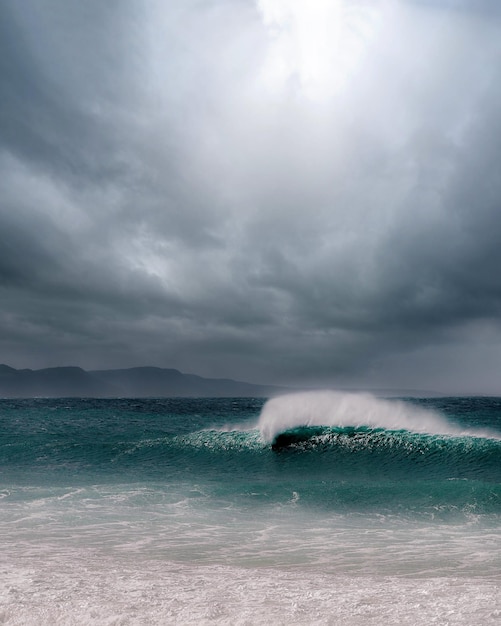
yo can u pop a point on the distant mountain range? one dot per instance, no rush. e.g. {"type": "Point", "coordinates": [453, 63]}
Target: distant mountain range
{"type": "Point", "coordinates": [136, 382]}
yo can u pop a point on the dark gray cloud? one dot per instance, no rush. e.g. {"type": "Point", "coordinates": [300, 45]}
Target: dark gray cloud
{"type": "Point", "coordinates": [249, 189]}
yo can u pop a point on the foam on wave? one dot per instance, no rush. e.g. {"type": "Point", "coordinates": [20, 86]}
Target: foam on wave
{"type": "Point", "coordinates": [339, 409]}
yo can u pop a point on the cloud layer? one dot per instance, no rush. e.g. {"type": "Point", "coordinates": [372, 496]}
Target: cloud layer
{"type": "Point", "coordinates": [261, 190]}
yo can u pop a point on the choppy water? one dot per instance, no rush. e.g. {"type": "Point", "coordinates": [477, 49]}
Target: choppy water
{"type": "Point", "coordinates": [317, 508]}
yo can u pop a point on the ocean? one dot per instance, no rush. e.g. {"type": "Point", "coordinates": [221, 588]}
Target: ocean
{"type": "Point", "coordinates": [311, 508]}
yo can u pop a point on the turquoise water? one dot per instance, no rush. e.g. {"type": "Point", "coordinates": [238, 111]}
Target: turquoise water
{"type": "Point", "coordinates": [311, 487]}
{"type": "Point", "coordinates": [215, 443]}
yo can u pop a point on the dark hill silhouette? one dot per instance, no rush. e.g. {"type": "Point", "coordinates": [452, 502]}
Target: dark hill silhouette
{"type": "Point", "coordinates": [133, 383]}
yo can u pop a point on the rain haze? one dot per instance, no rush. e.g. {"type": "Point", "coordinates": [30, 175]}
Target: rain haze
{"type": "Point", "coordinates": [302, 192]}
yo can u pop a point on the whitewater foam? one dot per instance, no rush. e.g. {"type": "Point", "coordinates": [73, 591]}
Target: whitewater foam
{"type": "Point", "coordinates": [84, 587]}
{"type": "Point", "coordinates": [338, 409]}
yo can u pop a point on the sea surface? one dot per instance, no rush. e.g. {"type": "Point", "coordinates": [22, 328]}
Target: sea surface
{"type": "Point", "coordinates": [312, 508]}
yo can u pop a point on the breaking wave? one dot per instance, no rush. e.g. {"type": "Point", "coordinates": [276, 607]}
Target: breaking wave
{"type": "Point", "coordinates": [339, 410]}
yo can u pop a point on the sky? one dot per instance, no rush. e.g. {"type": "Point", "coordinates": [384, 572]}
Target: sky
{"type": "Point", "coordinates": [298, 192]}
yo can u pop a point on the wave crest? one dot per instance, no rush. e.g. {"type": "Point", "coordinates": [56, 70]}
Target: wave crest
{"type": "Point", "coordinates": [338, 409]}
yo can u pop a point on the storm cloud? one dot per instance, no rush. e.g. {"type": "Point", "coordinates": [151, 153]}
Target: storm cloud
{"type": "Point", "coordinates": [295, 192]}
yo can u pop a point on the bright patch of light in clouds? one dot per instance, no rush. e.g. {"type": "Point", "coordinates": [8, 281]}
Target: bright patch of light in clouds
{"type": "Point", "coordinates": [316, 46]}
